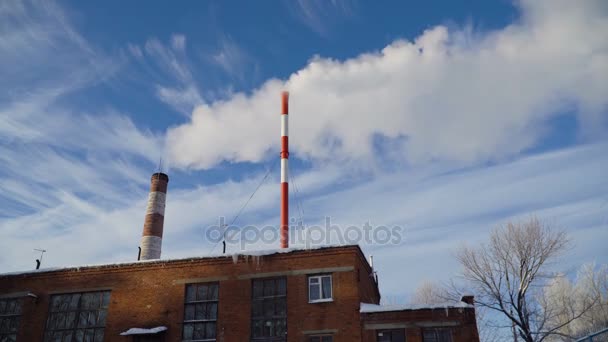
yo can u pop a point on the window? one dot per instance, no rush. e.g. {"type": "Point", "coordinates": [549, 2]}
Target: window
{"type": "Point", "coordinates": [200, 312]}
{"type": "Point", "coordinates": [319, 288]}
{"type": "Point", "coordinates": [393, 335]}
{"type": "Point", "coordinates": [77, 317]}
{"type": "Point", "coordinates": [10, 312]}
{"type": "Point", "coordinates": [321, 338]}
{"type": "Point", "coordinates": [269, 310]}
{"type": "Point", "coordinates": [437, 335]}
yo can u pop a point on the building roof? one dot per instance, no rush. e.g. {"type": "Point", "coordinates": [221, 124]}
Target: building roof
{"type": "Point", "coordinates": [372, 308]}
{"type": "Point", "coordinates": [216, 256]}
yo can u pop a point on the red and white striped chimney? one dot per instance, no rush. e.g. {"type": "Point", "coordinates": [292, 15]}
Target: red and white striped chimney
{"type": "Point", "coordinates": [284, 175]}
{"type": "Point", "coordinates": [152, 237]}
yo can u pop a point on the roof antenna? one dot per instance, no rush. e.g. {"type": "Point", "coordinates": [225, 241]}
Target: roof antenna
{"type": "Point", "coordinates": [39, 261]}
{"type": "Point", "coordinates": [224, 239]}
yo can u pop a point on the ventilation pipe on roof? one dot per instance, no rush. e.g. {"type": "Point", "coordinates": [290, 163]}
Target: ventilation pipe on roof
{"type": "Point", "coordinates": [152, 237]}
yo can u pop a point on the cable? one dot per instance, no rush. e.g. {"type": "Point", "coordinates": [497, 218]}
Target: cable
{"type": "Point", "coordinates": [242, 208]}
{"type": "Point", "coordinates": [294, 186]}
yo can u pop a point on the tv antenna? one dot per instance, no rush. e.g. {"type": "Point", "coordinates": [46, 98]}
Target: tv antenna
{"type": "Point", "coordinates": [39, 261]}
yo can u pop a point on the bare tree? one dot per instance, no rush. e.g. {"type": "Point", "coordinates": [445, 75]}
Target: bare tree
{"type": "Point", "coordinates": [563, 299]}
{"type": "Point", "coordinates": [430, 293]}
{"type": "Point", "coordinates": [433, 293]}
{"type": "Point", "coordinates": [508, 276]}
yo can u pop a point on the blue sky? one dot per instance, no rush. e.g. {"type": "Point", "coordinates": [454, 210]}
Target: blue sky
{"type": "Point", "coordinates": [445, 118]}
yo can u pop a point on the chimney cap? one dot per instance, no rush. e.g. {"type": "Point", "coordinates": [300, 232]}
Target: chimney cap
{"type": "Point", "coordinates": [160, 175]}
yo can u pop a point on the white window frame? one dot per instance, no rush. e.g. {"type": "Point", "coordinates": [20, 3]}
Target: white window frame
{"type": "Point", "coordinates": [319, 278]}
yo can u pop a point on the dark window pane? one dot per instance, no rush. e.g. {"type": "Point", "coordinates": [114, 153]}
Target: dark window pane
{"type": "Point", "coordinates": [188, 331]}
{"type": "Point", "coordinates": [314, 292]}
{"type": "Point", "coordinates": [198, 311]}
{"type": "Point", "coordinates": [326, 287]}
{"type": "Point", "coordinates": [82, 320]}
{"type": "Point", "coordinates": [199, 331]}
{"type": "Point", "coordinates": [257, 309]}
{"type": "Point", "coordinates": [212, 311]}
{"type": "Point", "coordinates": [280, 327]}
{"type": "Point", "coordinates": [98, 335]}
{"type": "Point", "coordinates": [201, 293]}
{"type": "Point", "coordinates": [101, 319]}
{"type": "Point", "coordinates": [190, 293]}
{"type": "Point", "coordinates": [268, 287]}
{"type": "Point", "coordinates": [213, 292]}
{"type": "Point", "coordinates": [106, 299]}
{"type": "Point", "coordinates": [210, 330]}
{"type": "Point", "coordinates": [281, 308]}
{"type": "Point", "coordinates": [92, 319]}
{"type": "Point", "coordinates": [74, 300]}
{"type": "Point", "coordinates": [89, 335]}
{"type": "Point", "coordinates": [189, 313]}
{"type": "Point", "coordinates": [55, 300]}
{"type": "Point", "coordinates": [60, 320]}
{"type": "Point", "coordinates": [257, 328]}
{"type": "Point", "coordinates": [281, 286]}
{"type": "Point", "coordinates": [268, 308]}
{"type": "Point", "coordinates": [327, 339]}
{"type": "Point", "coordinates": [258, 289]}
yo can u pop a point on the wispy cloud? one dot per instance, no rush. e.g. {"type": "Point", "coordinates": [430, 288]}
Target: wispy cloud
{"type": "Point", "coordinates": [320, 16]}
{"type": "Point", "coordinates": [60, 165]}
{"type": "Point", "coordinates": [170, 70]}
{"type": "Point", "coordinates": [232, 58]}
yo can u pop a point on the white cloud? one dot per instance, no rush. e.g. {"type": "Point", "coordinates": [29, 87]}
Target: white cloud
{"type": "Point", "coordinates": [446, 96]}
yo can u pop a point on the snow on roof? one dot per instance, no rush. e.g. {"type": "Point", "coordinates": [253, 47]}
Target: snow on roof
{"type": "Point", "coordinates": [370, 308]}
{"type": "Point", "coordinates": [143, 331]}
{"type": "Point", "coordinates": [234, 256]}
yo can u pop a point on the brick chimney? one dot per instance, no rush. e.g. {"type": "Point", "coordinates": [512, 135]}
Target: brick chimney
{"type": "Point", "coordinates": [468, 298]}
{"type": "Point", "coordinates": [152, 237]}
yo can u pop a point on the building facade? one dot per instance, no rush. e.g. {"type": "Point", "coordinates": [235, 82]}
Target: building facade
{"type": "Point", "coordinates": [285, 295]}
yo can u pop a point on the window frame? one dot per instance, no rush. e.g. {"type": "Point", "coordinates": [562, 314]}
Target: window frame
{"type": "Point", "coordinates": [436, 332]}
{"type": "Point", "coordinates": [275, 298]}
{"type": "Point", "coordinates": [13, 315]}
{"type": "Point", "coordinates": [320, 337]}
{"type": "Point", "coordinates": [188, 303]}
{"type": "Point", "coordinates": [320, 284]}
{"type": "Point", "coordinates": [77, 311]}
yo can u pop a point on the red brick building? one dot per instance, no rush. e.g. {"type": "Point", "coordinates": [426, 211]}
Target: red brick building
{"type": "Point", "coordinates": [313, 295]}
{"type": "Point", "coordinates": [290, 295]}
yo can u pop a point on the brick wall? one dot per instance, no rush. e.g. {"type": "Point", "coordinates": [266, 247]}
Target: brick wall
{"type": "Point", "coordinates": [152, 293]}
{"type": "Point", "coordinates": [460, 321]}
{"type": "Point", "coordinates": [149, 294]}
